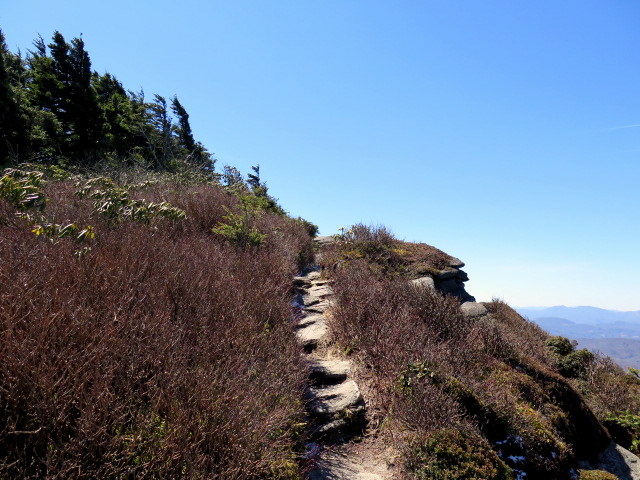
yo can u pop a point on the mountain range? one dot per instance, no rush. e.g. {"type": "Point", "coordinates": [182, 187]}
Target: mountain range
{"type": "Point", "coordinates": [611, 332]}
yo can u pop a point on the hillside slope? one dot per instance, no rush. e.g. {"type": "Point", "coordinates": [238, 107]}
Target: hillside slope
{"type": "Point", "coordinates": [148, 331]}
{"type": "Point", "coordinates": [467, 390]}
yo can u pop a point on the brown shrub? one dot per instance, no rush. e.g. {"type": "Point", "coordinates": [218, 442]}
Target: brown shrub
{"type": "Point", "coordinates": [159, 352]}
{"type": "Point", "coordinates": [435, 369]}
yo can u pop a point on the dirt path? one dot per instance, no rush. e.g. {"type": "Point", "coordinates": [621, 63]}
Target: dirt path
{"type": "Point", "coordinates": [339, 447]}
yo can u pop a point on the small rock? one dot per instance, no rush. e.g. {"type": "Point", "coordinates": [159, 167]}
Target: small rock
{"type": "Point", "coordinates": [329, 371]}
{"type": "Point", "coordinates": [321, 307]}
{"type": "Point", "coordinates": [310, 335]}
{"type": "Point", "coordinates": [328, 429]}
{"type": "Point", "coordinates": [423, 282]}
{"type": "Point", "coordinates": [618, 461]}
{"type": "Point", "coordinates": [324, 240]}
{"type": "Point", "coordinates": [342, 399]}
{"type": "Point", "coordinates": [473, 309]}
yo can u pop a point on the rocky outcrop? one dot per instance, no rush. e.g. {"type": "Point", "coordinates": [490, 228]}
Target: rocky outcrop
{"type": "Point", "coordinates": [451, 280]}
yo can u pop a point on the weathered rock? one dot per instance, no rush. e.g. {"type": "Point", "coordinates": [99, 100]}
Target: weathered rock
{"type": "Point", "coordinates": [314, 275]}
{"type": "Point", "coordinates": [309, 319]}
{"type": "Point", "coordinates": [329, 371]}
{"type": "Point", "coordinates": [321, 291]}
{"type": "Point", "coordinates": [324, 240]}
{"type": "Point", "coordinates": [341, 400]}
{"type": "Point", "coordinates": [308, 299]}
{"type": "Point", "coordinates": [618, 461]}
{"type": "Point", "coordinates": [447, 273]}
{"type": "Point", "coordinates": [473, 309]}
{"type": "Point", "coordinates": [455, 262]}
{"type": "Point", "coordinates": [424, 282]}
{"type": "Point", "coordinates": [310, 335]}
{"type": "Point", "coordinates": [455, 287]}
{"type": "Point", "coordinates": [335, 465]}
{"type": "Point", "coordinates": [320, 307]}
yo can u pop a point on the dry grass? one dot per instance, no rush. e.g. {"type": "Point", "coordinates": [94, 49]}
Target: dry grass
{"type": "Point", "coordinates": [162, 352]}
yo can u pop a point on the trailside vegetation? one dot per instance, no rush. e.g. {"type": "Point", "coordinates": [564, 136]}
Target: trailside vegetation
{"type": "Point", "coordinates": [491, 397]}
{"type": "Point", "coordinates": [139, 340]}
{"type": "Point", "coordinates": [145, 309]}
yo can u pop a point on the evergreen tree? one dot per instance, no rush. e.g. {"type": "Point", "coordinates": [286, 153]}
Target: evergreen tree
{"type": "Point", "coordinates": [54, 107]}
{"type": "Point", "coordinates": [119, 119]}
{"type": "Point", "coordinates": [253, 179]}
{"type": "Point", "coordinates": [83, 112]}
{"type": "Point", "coordinates": [8, 107]}
{"type": "Point", "coordinates": [185, 136]}
{"type": "Point", "coordinates": [159, 137]}
{"type": "Point", "coordinates": [13, 121]}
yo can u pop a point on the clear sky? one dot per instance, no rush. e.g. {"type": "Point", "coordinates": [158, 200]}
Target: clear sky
{"type": "Point", "coordinates": [506, 133]}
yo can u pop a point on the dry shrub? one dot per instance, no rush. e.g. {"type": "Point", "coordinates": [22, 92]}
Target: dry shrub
{"type": "Point", "coordinates": [384, 253]}
{"type": "Point", "coordinates": [161, 352]}
{"type": "Point", "coordinates": [435, 369]}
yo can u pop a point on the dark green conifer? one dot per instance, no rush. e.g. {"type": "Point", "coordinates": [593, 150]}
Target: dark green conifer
{"type": "Point", "coordinates": [185, 136]}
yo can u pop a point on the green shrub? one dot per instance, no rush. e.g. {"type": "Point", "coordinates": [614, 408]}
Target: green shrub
{"type": "Point", "coordinates": [570, 362]}
{"type": "Point", "coordinates": [239, 229]}
{"type": "Point", "coordinates": [576, 363]}
{"type": "Point", "coordinates": [114, 202]}
{"type": "Point", "coordinates": [21, 188]}
{"type": "Point", "coordinates": [455, 455]}
{"type": "Point", "coordinates": [630, 424]}
{"type": "Point", "coordinates": [560, 345]}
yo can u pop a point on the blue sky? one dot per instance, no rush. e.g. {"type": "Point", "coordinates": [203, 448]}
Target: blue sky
{"type": "Point", "coordinates": [490, 129]}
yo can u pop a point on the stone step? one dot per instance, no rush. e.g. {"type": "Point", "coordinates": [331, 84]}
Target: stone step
{"type": "Point", "coordinates": [337, 401]}
{"type": "Point", "coordinates": [320, 307]}
{"type": "Point", "coordinates": [328, 372]}
{"type": "Point", "coordinates": [311, 334]}
{"type": "Point", "coordinates": [311, 318]}
{"type": "Point", "coordinates": [336, 410]}
{"type": "Point", "coordinates": [339, 466]}
{"type": "Point", "coordinates": [321, 291]}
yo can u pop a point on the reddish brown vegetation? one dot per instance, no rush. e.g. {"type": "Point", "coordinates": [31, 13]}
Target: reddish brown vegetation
{"type": "Point", "coordinates": [430, 369]}
{"type": "Point", "coordinates": [161, 352]}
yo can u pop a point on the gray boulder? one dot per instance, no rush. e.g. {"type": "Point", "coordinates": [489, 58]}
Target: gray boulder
{"type": "Point", "coordinates": [473, 309]}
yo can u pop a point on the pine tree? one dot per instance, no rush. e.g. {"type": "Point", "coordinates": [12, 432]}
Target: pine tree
{"type": "Point", "coordinates": [83, 111]}
{"type": "Point", "coordinates": [253, 179]}
{"type": "Point", "coordinates": [185, 136]}
{"type": "Point", "coordinates": [119, 119]}
{"type": "Point", "coordinates": [159, 136]}
{"type": "Point", "coordinates": [13, 124]}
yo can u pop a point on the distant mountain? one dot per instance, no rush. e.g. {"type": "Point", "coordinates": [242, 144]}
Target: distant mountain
{"type": "Point", "coordinates": [584, 315]}
{"type": "Point", "coordinates": [624, 351]}
{"type": "Point", "coordinates": [610, 332]}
